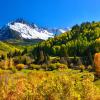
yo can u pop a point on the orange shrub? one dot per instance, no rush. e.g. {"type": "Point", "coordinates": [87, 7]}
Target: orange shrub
{"type": "Point", "coordinates": [20, 66]}
{"type": "Point", "coordinates": [97, 63]}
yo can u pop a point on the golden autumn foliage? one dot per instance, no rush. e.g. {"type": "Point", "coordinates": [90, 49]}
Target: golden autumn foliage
{"type": "Point", "coordinates": [97, 63]}
{"type": "Point", "coordinates": [20, 66]}
{"type": "Point", "coordinates": [6, 64]}
{"type": "Point", "coordinates": [41, 85]}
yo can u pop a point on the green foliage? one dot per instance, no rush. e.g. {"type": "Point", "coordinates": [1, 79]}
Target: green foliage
{"type": "Point", "coordinates": [14, 70]}
{"type": "Point", "coordinates": [5, 47]}
{"type": "Point", "coordinates": [35, 67]}
{"type": "Point", "coordinates": [97, 45]}
{"type": "Point", "coordinates": [56, 66]}
{"type": "Point", "coordinates": [52, 67]}
{"type": "Point", "coordinates": [81, 41]}
{"type": "Point", "coordinates": [2, 57]}
{"type": "Point", "coordinates": [82, 67]}
{"type": "Point", "coordinates": [23, 59]}
{"type": "Point", "coordinates": [89, 68]}
{"type": "Point", "coordinates": [97, 83]}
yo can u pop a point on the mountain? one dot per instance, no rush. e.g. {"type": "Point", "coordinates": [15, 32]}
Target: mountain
{"type": "Point", "coordinates": [57, 31]}
{"type": "Point", "coordinates": [20, 29]}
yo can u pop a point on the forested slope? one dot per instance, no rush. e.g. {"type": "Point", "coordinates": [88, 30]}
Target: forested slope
{"type": "Point", "coordinates": [81, 41]}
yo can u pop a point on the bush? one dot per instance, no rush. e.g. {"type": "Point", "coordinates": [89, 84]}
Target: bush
{"type": "Point", "coordinates": [14, 70]}
{"type": "Point", "coordinates": [44, 66]}
{"type": "Point", "coordinates": [61, 66]}
{"type": "Point", "coordinates": [82, 67]}
{"type": "Point", "coordinates": [42, 85]}
{"type": "Point", "coordinates": [20, 66]}
{"type": "Point", "coordinates": [4, 64]}
{"type": "Point", "coordinates": [89, 76]}
{"type": "Point", "coordinates": [97, 63]}
{"type": "Point", "coordinates": [56, 66]}
{"type": "Point", "coordinates": [89, 68]}
{"type": "Point", "coordinates": [36, 67]}
{"type": "Point", "coordinates": [26, 60]}
{"type": "Point", "coordinates": [52, 67]}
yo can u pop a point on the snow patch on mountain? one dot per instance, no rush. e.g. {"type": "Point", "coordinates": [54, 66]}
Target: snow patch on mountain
{"type": "Point", "coordinates": [21, 29]}
{"type": "Point", "coordinates": [62, 31]}
{"type": "Point", "coordinates": [27, 32]}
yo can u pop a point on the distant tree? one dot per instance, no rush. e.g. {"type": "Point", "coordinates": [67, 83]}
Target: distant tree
{"type": "Point", "coordinates": [24, 51]}
{"type": "Point", "coordinates": [19, 52]}
{"type": "Point", "coordinates": [15, 53]}
{"type": "Point", "coordinates": [41, 56]}
{"type": "Point", "coordinates": [24, 61]}
{"type": "Point", "coordinates": [2, 57]}
{"type": "Point", "coordinates": [9, 54]}
{"type": "Point", "coordinates": [46, 58]}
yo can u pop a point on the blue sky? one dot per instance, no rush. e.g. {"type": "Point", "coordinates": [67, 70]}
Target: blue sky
{"type": "Point", "coordinates": [50, 13]}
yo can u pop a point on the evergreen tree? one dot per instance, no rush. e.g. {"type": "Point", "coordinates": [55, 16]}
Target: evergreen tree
{"type": "Point", "coordinates": [2, 57]}
{"type": "Point", "coordinates": [24, 51]}
{"type": "Point", "coordinates": [9, 54]}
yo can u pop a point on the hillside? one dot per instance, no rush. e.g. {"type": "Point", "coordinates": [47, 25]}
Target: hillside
{"type": "Point", "coordinates": [5, 47]}
{"type": "Point", "coordinates": [81, 41]}
{"type": "Point", "coordinates": [60, 68]}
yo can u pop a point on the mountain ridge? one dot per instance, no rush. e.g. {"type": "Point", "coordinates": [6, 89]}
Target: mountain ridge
{"type": "Point", "coordinates": [22, 29]}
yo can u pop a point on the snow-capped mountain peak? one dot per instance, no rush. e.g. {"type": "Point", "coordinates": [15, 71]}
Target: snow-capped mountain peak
{"type": "Point", "coordinates": [24, 30]}
{"type": "Point", "coordinates": [27, 32]}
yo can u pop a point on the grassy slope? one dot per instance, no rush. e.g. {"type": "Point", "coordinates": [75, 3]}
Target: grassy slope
{"type": "Point", "coordinates": [4, 47]}
{"type": "Point", "coordinates": [22, 42]}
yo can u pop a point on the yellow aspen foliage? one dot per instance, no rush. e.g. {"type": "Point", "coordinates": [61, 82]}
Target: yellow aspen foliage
{"type": "Point", "coordinates": [97, 63]}
{"type": "Point", "coordinates": [90, 91]}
